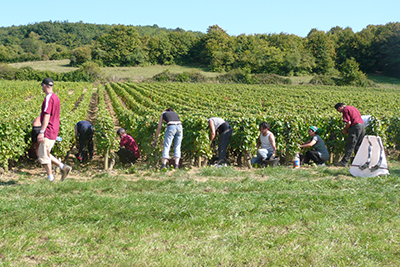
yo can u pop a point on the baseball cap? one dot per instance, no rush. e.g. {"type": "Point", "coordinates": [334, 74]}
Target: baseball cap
{"type": "Point", "coordinates": [315, 129]}
{"type": "Point", "coordinates": [48, 81]}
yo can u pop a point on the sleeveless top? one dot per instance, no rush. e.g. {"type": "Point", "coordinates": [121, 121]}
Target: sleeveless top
{"type": "Point", "coordinates": [265, 142]}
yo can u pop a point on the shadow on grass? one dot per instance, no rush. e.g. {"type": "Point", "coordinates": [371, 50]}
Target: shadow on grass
{"type": "Point", "coordinates": [378, 78]}
{"type": "Point", "coordinates": [394, 172]}
{"type": "Point", "coordinates": [8, 183]}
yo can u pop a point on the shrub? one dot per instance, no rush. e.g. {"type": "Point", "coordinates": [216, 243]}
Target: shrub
{"type": "Point", "coordinates": [236, 76]}
{"type": "Point", "coordinates": [164, 76]}
{"type": "Point", "coordinates": [7, 72]}
{"type": "Point", "coordinates": [352, 75]}
{"type": "Point", "coordinates": [323, 80]}
{"type": "Point", "coordinates": [265, 78]}
{"type": "Point", "coordinates": [182, 77]}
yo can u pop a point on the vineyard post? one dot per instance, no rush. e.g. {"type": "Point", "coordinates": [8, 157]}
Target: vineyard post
{"type": "Point", "coordinates": [248, 159]}
{"type": "Point", "coordinates": [106, 159]}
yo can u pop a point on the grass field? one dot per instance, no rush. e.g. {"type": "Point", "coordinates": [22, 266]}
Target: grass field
{"type": "Point", "coordinates": [141, 73]}
{"type": "Point", "coordinates": [202, 217]}
{"type": "Point", "coordinates": [132, 73]}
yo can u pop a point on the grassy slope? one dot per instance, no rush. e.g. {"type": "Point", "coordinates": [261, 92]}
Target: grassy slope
{"type": "Point", "coordinates": [204, 217]}
{"type": "Point", "coordinates": [134, 73]}
{"type": "Point", "coordinates": [140, 73]}
{"type": "Point", "coordinates": [280, 217]}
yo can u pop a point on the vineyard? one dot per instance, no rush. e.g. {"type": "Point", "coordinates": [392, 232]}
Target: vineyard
{"type": "Point", "coordinates": [289, 109]}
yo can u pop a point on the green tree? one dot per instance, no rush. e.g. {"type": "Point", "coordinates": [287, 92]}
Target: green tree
{"type": "Point", "coordinates": [116, 47]}
{"type": "Point", "coordinates": [391, 51]}
{"type": "Point", "coordinates": [80, 55]}
{"type": "Point", "coordinates": [217, 49]}
{"type": "Point", "coordinates": [351, 74]}
{"type": "Point", "coordinates": [344, 43]}
{"type": "Point", "coordinates": [32, 44]}
{"type": "Point", "coordinates": [323, 50]}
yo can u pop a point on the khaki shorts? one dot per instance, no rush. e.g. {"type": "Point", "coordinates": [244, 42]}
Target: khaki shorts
{"type": "Point", "coordinates": [44, 150]}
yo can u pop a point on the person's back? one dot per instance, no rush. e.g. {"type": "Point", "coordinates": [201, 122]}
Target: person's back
{"type": "Point", "coordinates": [129, 150]}
{"type": "Point", "coordinates": [84, 126]}
{"type": "Point", "coordinates": [84, 133]}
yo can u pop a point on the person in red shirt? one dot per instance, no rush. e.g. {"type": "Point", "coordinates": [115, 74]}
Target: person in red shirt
{"type": "Point", "coordinates": [129, 151]}
{"type": "Point", "coordinates": [50, 121]}
{"type": "Point", "coordinates": [355, 129]}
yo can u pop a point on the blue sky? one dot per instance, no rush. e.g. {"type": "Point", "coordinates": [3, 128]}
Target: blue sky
{"type": "Point", "coordinates": [234, 16]}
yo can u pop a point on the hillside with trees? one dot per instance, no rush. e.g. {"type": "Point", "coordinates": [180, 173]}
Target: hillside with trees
{"type": "Point", "coordinates": [374, 49]}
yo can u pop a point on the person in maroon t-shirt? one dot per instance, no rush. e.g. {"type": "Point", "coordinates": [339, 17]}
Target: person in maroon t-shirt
{"type": "Point", "coordinates": [355, 129]}
{"type": "Point", "coordinates": [50, 120]}
{"type": "Point", "coordinates": [129, 151]}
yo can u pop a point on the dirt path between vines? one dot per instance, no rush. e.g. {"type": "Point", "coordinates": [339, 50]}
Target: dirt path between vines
{"type": "Point", "coordinates": [111, 110]}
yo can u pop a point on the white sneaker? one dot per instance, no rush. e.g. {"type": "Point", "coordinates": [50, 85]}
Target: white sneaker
{"type": "Point", "coordinates": [220, 165]}
{"type": "Point", "coordinates": [322, 165]}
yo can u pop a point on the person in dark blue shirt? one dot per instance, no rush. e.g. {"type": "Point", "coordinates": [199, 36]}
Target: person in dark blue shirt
{"type": "Point", "coordinates": [84, 136]}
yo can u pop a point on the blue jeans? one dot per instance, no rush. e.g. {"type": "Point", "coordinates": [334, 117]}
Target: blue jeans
{"type": "Point", "coordinates": [172, 133]}
{"type": "Point", "coordinates": [262, 153]}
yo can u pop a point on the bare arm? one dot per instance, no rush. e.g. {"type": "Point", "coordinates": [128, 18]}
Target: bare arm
{"type": "Point", "coordinates": [346, 127]}
{"type": "Point", "coordinates": [272, 141]}
{"type": "Point", "coordinates": [46, 120]}
{"type": "Point", "coordinates": [158, 129]}
{"type": "Point", "coordinates": [308, 144]}
{"type": "Point", "coordinates": [212, 130]}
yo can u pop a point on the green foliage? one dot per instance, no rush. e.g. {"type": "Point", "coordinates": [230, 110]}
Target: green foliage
{"type": "Point", "coordinates": [270, 79]}
{"type": "Point", "coordinates": [164, 76]}
{"type": "Point", "coordinates": [323, 50]}
{"type": "Point", "coordinates": [375, 48]}
{"type": "Point", "coordinates": [104, 128]}
{"type": "Point", "coordinates": [87, 72]}
{"type": "Point", "coordinates": [323, 80]}
{"type": "Point", "coordinates": [125, 38]}
{"type": "Point", "coordinates": [7, 72]}
{"type": "Point", "coordinates": [290, 110]}
{"type": "Point", "coordinates": [351, 74]}
{"type": "Point", "coordinates": [80, 55]}
{"type": "Point", "coordinates": [24, 99]}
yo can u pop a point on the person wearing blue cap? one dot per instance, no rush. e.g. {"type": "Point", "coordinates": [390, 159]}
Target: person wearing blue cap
{"type": "Point", "coordinates": [320, 153]}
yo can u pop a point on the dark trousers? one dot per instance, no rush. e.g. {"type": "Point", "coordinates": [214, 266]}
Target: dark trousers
{"type": "Point", "coordinates": [224, 138]}
{"type": "Point", "coordinates": [353, 142]}
{"type": "Point", "coordinates": [314, 156]}
{"type": "Point", "coordinates": [86, 144]}
{"type": "Point", "coordinates": [126, 156]}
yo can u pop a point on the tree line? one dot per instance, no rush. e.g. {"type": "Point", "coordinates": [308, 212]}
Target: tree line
{"type": "Point", "coordinates": [374, 49]}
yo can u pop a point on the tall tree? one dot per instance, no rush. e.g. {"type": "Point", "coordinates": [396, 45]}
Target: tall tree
{"type": "Point", "coordinates": [323, 50]}
{"type": "Point", "coordinates": [116, 48]}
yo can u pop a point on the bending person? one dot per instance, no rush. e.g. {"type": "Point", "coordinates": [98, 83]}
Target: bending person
{"type": "Point", "coordinates": [173, 132]}
{"type": "Point", "coordinates": [84, 135]}
{"type": "Point", "coordinates": [128, 152]}
{"type": "Point", "coordinates": [221, 127]}
{"type": "Point", "coordinates": [320, 154]}
{"type": "Point", "coordinates": [267, 144]}
{"type": "Point", "coordinates": [354, 127]}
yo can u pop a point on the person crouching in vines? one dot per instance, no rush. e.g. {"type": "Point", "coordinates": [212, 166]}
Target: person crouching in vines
{"type": "Point", "coordinates": [320, 154]}
{"type": "Point", "coordinates": [266, 148]}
